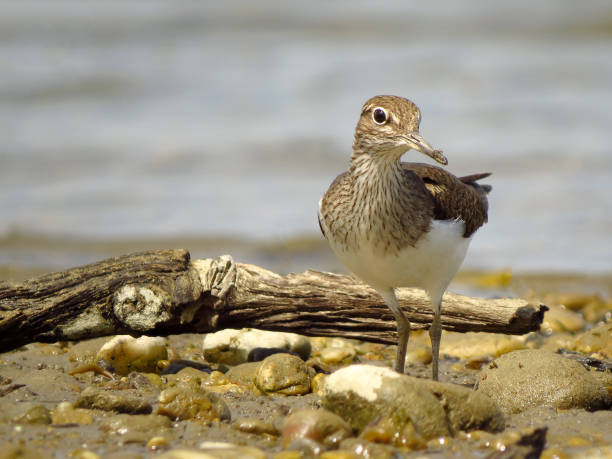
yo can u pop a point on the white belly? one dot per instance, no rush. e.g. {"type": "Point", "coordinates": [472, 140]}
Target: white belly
{"type": "Point", "coordinates": [430, 265]}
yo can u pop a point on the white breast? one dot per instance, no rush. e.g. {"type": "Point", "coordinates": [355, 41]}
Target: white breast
{"type": "Point", "coordinates": [430, 265]}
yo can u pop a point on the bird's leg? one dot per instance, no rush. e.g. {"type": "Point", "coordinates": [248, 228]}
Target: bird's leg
{"type": "Point", "coordinates": [435, 332]}
{"type": "Point", "coordinates": [403, 329]}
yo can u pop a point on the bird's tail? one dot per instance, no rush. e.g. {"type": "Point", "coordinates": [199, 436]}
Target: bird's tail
{"type": "Point", "coordinates": [472, 180]}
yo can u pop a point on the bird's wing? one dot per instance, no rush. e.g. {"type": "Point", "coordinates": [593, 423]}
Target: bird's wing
{"type": "Point", "coordinates": [454, 197]}
{"type": "Point", "coordinates": [331, 191]}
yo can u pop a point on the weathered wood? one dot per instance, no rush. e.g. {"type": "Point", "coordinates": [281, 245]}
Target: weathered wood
{"type": "Point", "coordinates": [163, 292]}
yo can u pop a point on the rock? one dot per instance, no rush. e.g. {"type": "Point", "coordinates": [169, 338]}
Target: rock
{"type": "Point", "coordinates": [474, 345]}
{"type": "Point", "coordinates": [361, 394]}
{"type": "Point", "coordinates": [157, 443]}
{"type": "Point", "coordinates": [23, 452]}
{"type": "Point", "coordinates": [66, 413]}
{"type": "Point", "coordinates": [260, 353]}
{"type": "Point", "coordinates": [34, 414]}
{"type": "Point", "coordinates": [316, 384]}
{"type": "Point", "coordinates": [420, 354]}
{"type": "Point", "coordinates": [188, 375]}
{"type": "Point", "coordinates": [466, 409]}
{"type": "Point", "coordinates": [124, 353]}
{"type": "Point", "coordinates": [255, 426]}
{"type": "Point", "coordinates": [211, 450]}
{"type": "Point", "coordinates": [340, 454]}
{"type": "Point", "coordinates": [321, 426]}
{"type": "Point", "coordinates": [528, 378]}
{"type": "Point", "coordinates": [99, 399]}
{"type": "Point", "coordinates": [597, 340]}
{"type": "Point", "coordinates": [337, 355]}
{"type": "Point", "coordinates": [283, 374]}
{"type": "Point", "coordinates": [558, 319]}
{"type": "Point", "coordinates": [233, 346]}
{"type": "Point", "coordinates": [367, 449]}
{"type": "Point", "coordinates": [384, 430]}
{"type": "Point", "coordinates": [243, 374]}
{"type": "Point", "coordinates": [190, 402]}
{"type": "Point", "coordinates": [126, 424]}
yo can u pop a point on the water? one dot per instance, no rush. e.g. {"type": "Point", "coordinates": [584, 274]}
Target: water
{"type": "Point", "coordinates": [166, 119]}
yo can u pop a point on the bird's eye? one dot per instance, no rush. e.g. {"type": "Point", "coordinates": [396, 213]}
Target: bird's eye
{"type": "Point", "coordinates": [379, 115]}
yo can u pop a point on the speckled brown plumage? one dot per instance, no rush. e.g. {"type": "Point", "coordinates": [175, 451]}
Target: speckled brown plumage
{"type": "Point", "coordinates": [393, 202]}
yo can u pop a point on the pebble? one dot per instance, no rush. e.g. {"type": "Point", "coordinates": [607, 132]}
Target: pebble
{"type": "Point", "coordinates": [100, 399]}
{"type": "Point", "coordinates": [157, 443]}
{"type": "Point", "coordinates": [337, 355]}
{"type": "Point", "coordinates": [190, 402]}
{"type": "Point", "coordinates": [66, 413]}
{"type": "Point", "coordinates": [524, 379]}
{"type": "Point", "coordinates": [283, 374]}
{"type": "Point", "coordinates": [84, 454]}
{"type": "Point", "coordinates": [368, 449]}
{"type": "Point", "coordinates": [472, 345]}
{"type": "Point", "coordinates": [316, 383]}
{"type": "Point", "coordinates": [22, 452]}
{"type": "Point", "coordinates": [216, 450]}
{"type": "Point", "coordinates": [36, 414]}
{"type": "Point", "coordinates": [232, 347]}
{"type": "Point", "coordinates": [321, 426]}
{"type": "Point", "coordinates": [420, 354]}
{"type": "Point", "coordinates": [559, 319]}
{"type": "Point", "coordinates": [128, 424]}
{"type": "Point", "coordinates": [339, 454]}
{"type": "Point", "coordinates": [124, 353]}
{"type": "Point", "coordinates": [243, 374]}
{"type": "Point", "coordinates": [288, 455]}
{"type": "Point", "coordinates": [597, 340]}
{"type": "Point", "coordinates": [255, 426]}
{"type": "Point", "coordinates": [385, 431]}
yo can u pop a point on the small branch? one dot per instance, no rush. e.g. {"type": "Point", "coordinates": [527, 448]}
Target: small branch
{"type": "Point", "coordinates": [163, 292]}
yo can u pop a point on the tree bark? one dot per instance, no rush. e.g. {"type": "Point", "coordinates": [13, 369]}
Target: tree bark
{"type": "Point", "coordinates": [164, 292]}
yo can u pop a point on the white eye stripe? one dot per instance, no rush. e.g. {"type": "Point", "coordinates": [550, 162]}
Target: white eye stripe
{"type": "Point", "coordinates": [379, 115]}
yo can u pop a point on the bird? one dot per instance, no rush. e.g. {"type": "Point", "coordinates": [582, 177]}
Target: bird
{"type": "Point", "coordinates": [399, 224]}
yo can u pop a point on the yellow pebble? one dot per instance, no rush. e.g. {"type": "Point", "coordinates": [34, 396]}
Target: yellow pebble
{"type": "Point", "coordinates": [157, 443]}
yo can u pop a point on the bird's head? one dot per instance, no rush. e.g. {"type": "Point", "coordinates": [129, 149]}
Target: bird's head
{"type": "Point", "coordinates": [389, 126]}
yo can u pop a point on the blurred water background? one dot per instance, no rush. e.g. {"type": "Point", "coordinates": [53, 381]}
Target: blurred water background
{"type": "Point", "coordinates": [218, 125]}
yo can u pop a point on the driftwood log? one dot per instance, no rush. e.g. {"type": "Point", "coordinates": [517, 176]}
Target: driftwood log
{"type": "Point", "coordinates": [164, 292]}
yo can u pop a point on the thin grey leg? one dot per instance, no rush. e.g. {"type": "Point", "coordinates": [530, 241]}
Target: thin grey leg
{"type": "Point", "coordinates": [435, 331]}
{"type": "Point", "coordinates": [403, 329]}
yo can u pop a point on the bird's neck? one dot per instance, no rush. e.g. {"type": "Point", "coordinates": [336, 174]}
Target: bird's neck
{"type": "Point", "coordinates": [376, 169]}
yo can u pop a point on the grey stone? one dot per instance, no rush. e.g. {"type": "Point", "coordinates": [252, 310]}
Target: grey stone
{"type": "Point", "coordinates": [524, 379]}
{"type": "Point", "coordinates": [100, 399]}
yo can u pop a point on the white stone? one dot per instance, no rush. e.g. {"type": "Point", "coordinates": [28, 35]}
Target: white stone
{"type": "Point", "coordinates": [126, 353]}
{"type": "Point", "coordinates": [363, 380]}
{"type": "Point", "coordinates": [235, 345]}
